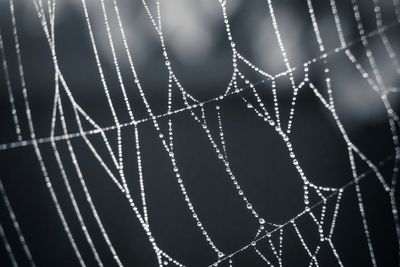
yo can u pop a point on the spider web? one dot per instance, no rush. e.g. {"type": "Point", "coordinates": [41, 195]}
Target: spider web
{"type": "Point", "coordinates": [321, 204]}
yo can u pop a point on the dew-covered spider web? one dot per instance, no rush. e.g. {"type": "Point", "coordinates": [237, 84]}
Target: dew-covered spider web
{"type": "Point", "coordinates": [115, 153]}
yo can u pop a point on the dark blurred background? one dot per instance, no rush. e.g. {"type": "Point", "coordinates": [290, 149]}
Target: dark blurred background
{"type": "Point", "coordinates": [201, 57]}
